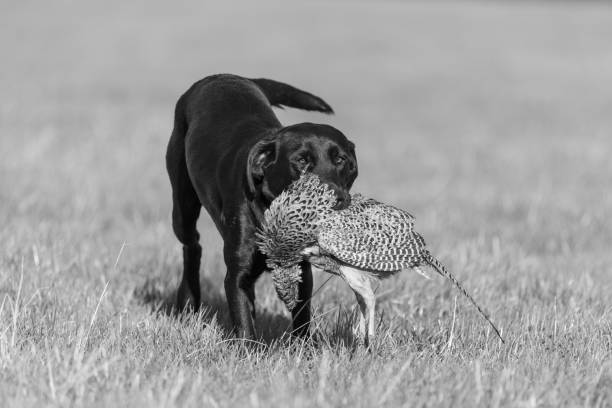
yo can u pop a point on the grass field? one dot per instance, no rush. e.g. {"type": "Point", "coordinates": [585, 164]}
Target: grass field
{"type": "Point", "coordinates": [490, 122]}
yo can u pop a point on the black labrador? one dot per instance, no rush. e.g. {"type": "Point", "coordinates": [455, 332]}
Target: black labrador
{"type": "Point", "coordinates": [229, 154]}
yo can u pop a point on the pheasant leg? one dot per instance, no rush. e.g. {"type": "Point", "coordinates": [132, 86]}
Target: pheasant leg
{"type": "Point", "coordinates": [360, 283]}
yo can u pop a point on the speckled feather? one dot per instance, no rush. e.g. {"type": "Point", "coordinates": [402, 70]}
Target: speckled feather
{"type": "Point", "coordinates": [286, 282]}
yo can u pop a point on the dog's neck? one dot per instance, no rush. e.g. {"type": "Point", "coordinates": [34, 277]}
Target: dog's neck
{"type": "Point", "coordinates": [257, 206]}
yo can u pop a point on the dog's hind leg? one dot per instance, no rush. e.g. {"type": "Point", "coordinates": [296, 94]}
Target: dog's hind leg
{"type": "Point", "coordinates": [185, 212]}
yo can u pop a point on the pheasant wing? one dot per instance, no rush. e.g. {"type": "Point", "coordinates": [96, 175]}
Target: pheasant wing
{"type": "Point", "coordinates": [371, 235]}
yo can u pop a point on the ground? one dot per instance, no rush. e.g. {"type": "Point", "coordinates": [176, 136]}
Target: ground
{"type": "Point", "coordinates": [490, 122]}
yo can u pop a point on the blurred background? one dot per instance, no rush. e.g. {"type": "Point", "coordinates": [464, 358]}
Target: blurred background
{"type": "Point", "coordinates": [489, 121]}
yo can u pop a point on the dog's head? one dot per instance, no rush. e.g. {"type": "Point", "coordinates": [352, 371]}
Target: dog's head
{"type": "Point", "coordinates": [278, 160]}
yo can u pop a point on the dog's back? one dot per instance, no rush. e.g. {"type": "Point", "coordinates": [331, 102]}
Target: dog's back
{"type": "Point", "coordinates": [234, 99]}
{"type": "Point", "coordinates": [222, 100]}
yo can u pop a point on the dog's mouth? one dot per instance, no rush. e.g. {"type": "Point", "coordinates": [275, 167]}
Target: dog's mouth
{"type": "Point", "coordinates": [343, 200]}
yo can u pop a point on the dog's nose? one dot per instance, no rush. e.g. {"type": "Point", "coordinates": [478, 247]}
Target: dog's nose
{"type": "Point", "coordinates": [343, 200]}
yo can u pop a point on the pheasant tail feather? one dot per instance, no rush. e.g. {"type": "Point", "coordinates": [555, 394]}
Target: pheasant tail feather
{"type": "Point", "coordinates": [441, 269]}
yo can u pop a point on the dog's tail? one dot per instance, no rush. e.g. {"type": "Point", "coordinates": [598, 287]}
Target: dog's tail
{"type": "Point", "coordinates": [279, 94]}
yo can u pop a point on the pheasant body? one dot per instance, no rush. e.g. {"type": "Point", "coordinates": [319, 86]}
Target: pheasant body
{"type": "Point", "coordinates": [371, 236]}
{"type": "Point", "coordinates": [367, 239]}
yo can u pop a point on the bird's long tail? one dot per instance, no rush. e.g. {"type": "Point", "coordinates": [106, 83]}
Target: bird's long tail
{"type": "Point", "coordinates": [434, 263]}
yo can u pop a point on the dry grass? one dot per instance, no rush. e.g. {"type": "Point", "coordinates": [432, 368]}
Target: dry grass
{"type": "Point", "coordinates": [489, 122]}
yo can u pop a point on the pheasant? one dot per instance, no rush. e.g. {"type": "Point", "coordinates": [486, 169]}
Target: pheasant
{"type": "Point", "coordinates": [367, 240]}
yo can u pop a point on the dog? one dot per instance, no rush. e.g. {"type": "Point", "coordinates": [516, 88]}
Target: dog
{"type": "Point", "coordinates": [229, 153]}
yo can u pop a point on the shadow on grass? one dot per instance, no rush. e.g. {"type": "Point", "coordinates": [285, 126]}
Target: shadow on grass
{"type": "Point", "coordinates": [332, 326]}
{"type": "Point", "coordinates": [161, 298]}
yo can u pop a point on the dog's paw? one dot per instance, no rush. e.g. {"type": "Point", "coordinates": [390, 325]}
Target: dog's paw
{"type": "Point", "coordinates": [185, 300]}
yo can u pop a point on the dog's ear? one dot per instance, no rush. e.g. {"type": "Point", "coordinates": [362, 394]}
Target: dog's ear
{"type": "Point", "coordinates": [260, 156]}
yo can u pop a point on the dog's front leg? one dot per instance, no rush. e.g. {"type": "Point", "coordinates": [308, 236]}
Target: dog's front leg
{"type": "Point", "coordinates": [241, 302]}
{"type": "Point", "coordinates": [301, 311]}
{"type": "Point", "coordinates": [243, 269]}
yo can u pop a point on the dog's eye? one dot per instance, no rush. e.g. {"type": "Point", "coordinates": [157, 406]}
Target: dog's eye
{"type": "Point", "coordinates": [302, 160]}
{"type": "Point", "coordinates": [339, 160]}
